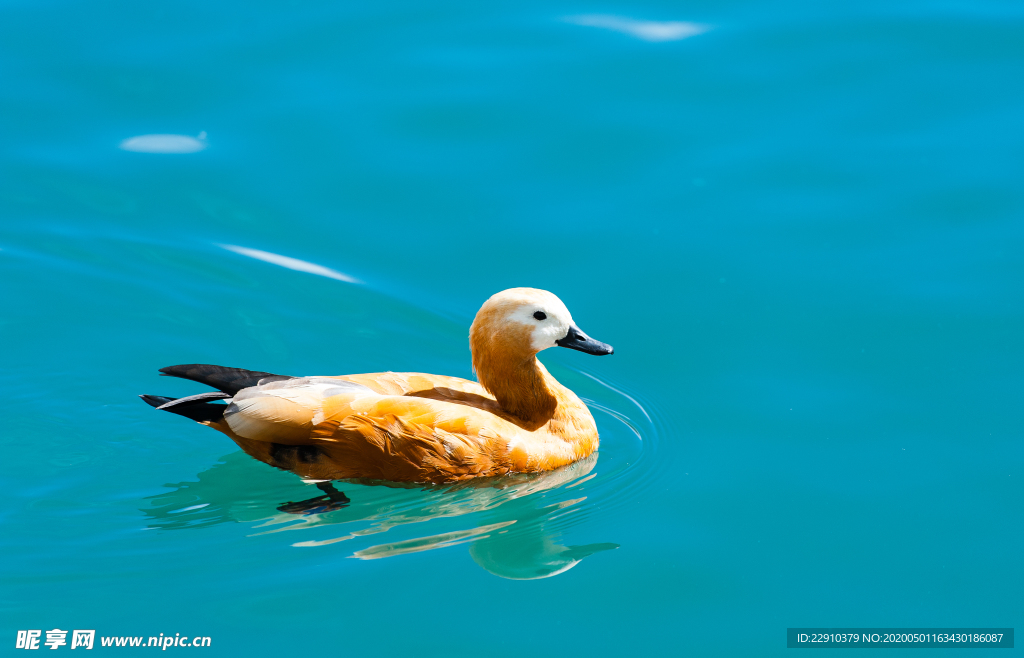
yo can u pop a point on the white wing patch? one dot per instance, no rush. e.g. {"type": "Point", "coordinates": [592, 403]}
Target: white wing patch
{"type": "Point", "coordinates": [285, 410]}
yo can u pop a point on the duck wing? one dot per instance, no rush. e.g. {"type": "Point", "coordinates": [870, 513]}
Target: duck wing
{"type": "Point", "coordinates": [409, 438]}
{"type": "Point", "coordinates": [397, 426]}
{"type": "Point", "coordinates": [431, 387]}
{"type": "Point", "coordinates": [282, 411]}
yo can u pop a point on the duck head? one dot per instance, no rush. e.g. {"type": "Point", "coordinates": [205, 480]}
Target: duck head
{"type": "Point", "coordinates": [508, 332]}
{"type": "Point", "coordinates": [524, 321]}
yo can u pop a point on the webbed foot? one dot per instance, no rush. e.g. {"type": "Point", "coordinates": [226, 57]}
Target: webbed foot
{"type": "Point", "coordinates": [334, 500]}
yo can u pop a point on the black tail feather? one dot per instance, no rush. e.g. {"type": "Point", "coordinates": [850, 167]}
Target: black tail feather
{"type": "Point", "coordinates": [197, 411]}
{"type": "Point", "coordinates": [229, 380]}
{"type": "Point", "coordinates": [155, 400]}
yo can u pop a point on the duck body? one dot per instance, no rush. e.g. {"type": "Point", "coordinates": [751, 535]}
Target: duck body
{"type": "Point", "coordinates": [403, 427]}
{"type": "Point", "coordinates": [414, 427]}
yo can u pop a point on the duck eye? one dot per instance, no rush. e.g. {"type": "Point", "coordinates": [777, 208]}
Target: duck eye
{"type": "Point", "coordinates": [540, 315]}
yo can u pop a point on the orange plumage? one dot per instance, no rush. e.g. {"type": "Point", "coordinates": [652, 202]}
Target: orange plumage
{"type": "Point", "coordinates": [413, 427]}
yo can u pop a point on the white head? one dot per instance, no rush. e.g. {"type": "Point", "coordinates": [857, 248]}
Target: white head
{"type": "Point", "coordinates": [546, 316]}
{"type": "Point", "coordinates": [536, 315]}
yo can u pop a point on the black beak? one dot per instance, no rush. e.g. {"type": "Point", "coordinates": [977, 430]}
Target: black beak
{"type": "Point", "coordinates": [577, 340]}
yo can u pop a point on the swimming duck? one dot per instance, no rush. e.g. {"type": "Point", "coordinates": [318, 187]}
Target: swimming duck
{"type": "Point", "coordinates": [413, 427]}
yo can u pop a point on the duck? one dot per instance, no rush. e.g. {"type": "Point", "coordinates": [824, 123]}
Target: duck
{"type": "Point", "coordinates": [413, 427]}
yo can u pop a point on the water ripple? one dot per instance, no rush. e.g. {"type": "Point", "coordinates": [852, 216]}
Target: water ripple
{"type": "Point", "coordinates": [291, 263]}
{"type": "Point", "coordinates": [168, 144]}
{"type": "Point", "coordinates": [645, 30]}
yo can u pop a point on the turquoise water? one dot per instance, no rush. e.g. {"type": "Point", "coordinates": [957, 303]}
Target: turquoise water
{"type": "Point", "coordinates": [800, 225]}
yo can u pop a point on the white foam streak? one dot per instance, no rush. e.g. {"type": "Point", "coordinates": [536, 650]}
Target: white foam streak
{"type": "Point", "coordinates": [425, 543]}
{"type": "Point", "coordinates": [164, 143]}
{"type": "Point", "coordinates": [188, 509]}
{"type": "Point", "coordinates": [291, 263]}
{"type": "Point", "coordinates": [646, 30]}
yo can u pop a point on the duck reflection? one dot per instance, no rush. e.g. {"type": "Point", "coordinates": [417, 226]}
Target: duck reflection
{"type": "Point", "coordinates": [515, 533]}
{"type": "Point", "coordinates": [525, 551]}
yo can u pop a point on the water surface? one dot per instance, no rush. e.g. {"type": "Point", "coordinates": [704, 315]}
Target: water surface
{"type": "Point", "coordinates": [800, 225]}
